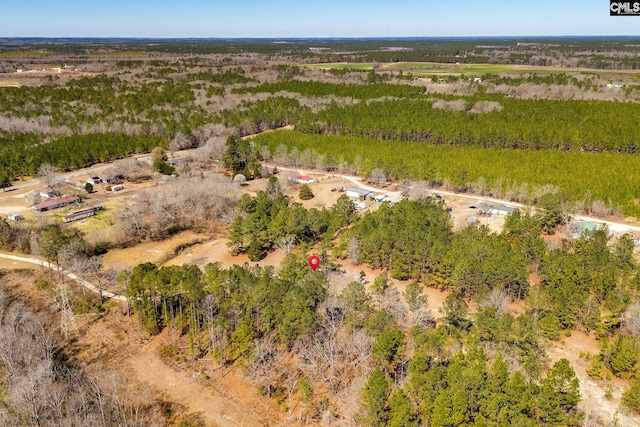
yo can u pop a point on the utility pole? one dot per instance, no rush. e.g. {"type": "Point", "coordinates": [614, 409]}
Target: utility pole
{"type": "Point", "coordinates": [67, 318]}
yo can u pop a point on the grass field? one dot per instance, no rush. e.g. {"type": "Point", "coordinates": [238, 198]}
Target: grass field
{"type": "Point", "coordinates": [431, 68]}
{"type": "Point", "coordinates": [130, 54]}
{"type": "Point", "coordinates": [24, 53]}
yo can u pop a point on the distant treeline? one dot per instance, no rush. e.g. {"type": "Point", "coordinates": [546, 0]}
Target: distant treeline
{"type": "Point", "coordinates": [595, 52]}
{"type": "Point", "coordinates": [315, 88]}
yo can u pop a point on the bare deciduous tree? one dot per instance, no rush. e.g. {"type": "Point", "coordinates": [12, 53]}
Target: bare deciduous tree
{"type": "Point", "coordinates": [354, 251]}
{"type": "Point", "coordinates": [286, 244]}
{"type": "Point", "coordinates": [326, 355]}
{"type": "Point", "coordinates": [33, 197]}
{"type": "Point", "coordinates": [631, 319]}
{"type": "Point", "coordinates": [377, 177]}
{"type": "Point", "coordinates": [182, 142]}
{"type": "Point", "coordinates": [216, 147]}
{"type": "Point", "coordinates": [49, 175]}
{"type": "Point", "coordinates": [496, 298]}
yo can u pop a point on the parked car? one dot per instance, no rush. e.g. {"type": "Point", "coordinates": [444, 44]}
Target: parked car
{"type": "Point", "coordinates": [338, 189]}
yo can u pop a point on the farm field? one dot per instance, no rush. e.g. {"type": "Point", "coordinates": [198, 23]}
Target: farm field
{"type": "Point", "coordinates": [423, 69]}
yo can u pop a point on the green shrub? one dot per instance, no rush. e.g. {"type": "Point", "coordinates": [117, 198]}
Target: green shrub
{"type": "Point", "coordinates": [305, 193]}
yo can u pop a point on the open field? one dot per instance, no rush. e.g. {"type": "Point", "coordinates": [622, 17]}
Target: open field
{"type": "Point", "coordinates": [421, 69]}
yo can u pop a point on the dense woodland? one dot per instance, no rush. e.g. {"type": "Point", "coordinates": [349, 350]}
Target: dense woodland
{"type": "Point", "coordinates": [253, 317]}
{"type": "Point", "coordinates": [519, 175]}
{"type": "Point", "coordinates": [324, 346]}
{"type": "Point", "coordinates": [482, 368]}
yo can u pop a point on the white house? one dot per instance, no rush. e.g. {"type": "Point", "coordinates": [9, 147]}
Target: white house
{"type": "Point", "coordinates": [48, 193]}
{"type": "Point", "coordinates": [302, 179]}
{"type": "Point", "coordinates": [495, 209]}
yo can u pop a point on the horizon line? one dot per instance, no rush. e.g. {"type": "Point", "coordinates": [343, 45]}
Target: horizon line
{"type": "Point", "coordinates": [2, 37]}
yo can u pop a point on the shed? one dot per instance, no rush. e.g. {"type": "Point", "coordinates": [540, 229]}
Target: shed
{"type": "Point", "coordinates": [15, 217]}
{"type": "Point", "coordinates": [360, 205]}
{"type": "Point", "coordinates": [358, 192]}
{"type": "Point", "coordinates": [47, 193]}
{"type": "Point", "coordinates": [576, 229]}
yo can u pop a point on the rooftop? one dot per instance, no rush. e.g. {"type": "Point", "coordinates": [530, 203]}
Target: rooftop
{"type": "Point", "coordinates": [55, 202]}
{"type": "Point", "coordinates": [360, 191]}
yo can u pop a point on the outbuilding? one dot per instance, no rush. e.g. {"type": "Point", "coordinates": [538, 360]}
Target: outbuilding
{"type": "Point", "coordinates": [83, 213]}
{"type": "Point", "coordinates": [359, 193]}
{"type": "Point", "coordinates": [15, 217]}
{"type": "Point", "coordinates": [360, 205]}
{"type": "Point", "coordinates": [47, 193]}
{"type": "Point", "coordinates": [577, 228]}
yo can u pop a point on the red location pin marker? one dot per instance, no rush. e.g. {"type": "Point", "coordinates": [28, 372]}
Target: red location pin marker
{"type": "Point", "coordinates": [314, 262]}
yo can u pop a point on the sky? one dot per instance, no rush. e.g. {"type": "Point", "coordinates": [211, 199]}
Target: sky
{"type": "Point", "coordinates": [310, 18]}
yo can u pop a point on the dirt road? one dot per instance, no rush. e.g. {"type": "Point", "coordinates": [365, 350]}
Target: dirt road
{"type": "Point", "coordinates": [593, 401]}
{"type": "Point", "coordinates": [88, 285]}
{"type": "Point", "coordinates": [222, 402]}
{"type": "Point", "coordinates": [614, 226]}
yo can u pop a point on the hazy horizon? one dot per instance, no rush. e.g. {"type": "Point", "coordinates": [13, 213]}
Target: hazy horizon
{"type": "Point", "coordinates": [329, 19]}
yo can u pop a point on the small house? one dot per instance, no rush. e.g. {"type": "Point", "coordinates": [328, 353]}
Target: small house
{"type": "Point", "coordinates": [77, 215]}
{"type": "Point", "coordinates": [48, 193]}
{"type": "Point", "coordinates": [302, 179]}
{"type": "Point", "coordinates": [55, 203]}
{"type": "Point", "coordinates": [359, 193]}
{"type": "Point", "coordinates": [82, 213]}
{"type": "Point", "coordinates": [494, 209]}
